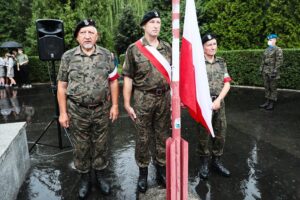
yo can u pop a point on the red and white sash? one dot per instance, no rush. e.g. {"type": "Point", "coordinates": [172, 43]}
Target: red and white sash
{"type": "Point", "coordinates": [156, 59]}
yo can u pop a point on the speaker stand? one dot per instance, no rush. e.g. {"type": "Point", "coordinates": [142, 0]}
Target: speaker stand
{"type": "Point", "coordinates": [55, 118]}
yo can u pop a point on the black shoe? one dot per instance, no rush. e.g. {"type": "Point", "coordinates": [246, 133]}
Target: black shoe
{"type": "Point", "coordinates": [101, 182]}
{"type": "Point", "coordinates": [204, 171]}
{"type": "Point", "coordinates": [161, 174]}
{"type": "Point", "coordinates": [142, 181]}
{"type": "Point", "coordinates": [264, 105]}
{"type": "Point", "coordinates": [84, 186]}
{"type": "Point", "coordinates": [219, 167]}
{"type": "Point", "coordinates": [270, 106]}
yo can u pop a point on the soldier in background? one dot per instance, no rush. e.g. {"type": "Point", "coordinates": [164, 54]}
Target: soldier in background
{"type": "Point", "coordinates": [271, 62]}
{"type": "Point", "coordinates": [149, 86]}
{"type": "Point", "coordinates": [219, 85]}
{"type": "Point", "coordinates": [88, 97]}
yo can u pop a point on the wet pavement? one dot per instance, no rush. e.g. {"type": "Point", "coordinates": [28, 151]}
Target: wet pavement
{"type": "Point", "coordinates": [262, 150]}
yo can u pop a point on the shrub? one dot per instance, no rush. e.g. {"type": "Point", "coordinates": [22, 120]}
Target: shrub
{"type": "Point", "coordinates": [243, 67]}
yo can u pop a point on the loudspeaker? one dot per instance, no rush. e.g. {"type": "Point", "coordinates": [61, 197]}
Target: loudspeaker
{"type": "Point", "coordinates": [50, 37]}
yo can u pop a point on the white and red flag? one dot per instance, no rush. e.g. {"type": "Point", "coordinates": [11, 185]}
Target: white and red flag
{"type": "Point", "coordinates": [193, 86]}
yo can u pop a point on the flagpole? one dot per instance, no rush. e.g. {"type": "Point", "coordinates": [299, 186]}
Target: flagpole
{"type": "Point", "coordinates": [176, 121]}
{"type": "Point", "coordinates": [176, 147]}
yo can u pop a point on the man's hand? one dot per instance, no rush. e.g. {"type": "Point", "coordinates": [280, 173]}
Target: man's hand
{"type": "Point", "coordinates": [114, 113]}
{"type": "Point", "coordinates": [216, 104]}
{"type": "Point", "coordinates": [130, 112]}
{"type": "Point", "coordinates": [64, 120]}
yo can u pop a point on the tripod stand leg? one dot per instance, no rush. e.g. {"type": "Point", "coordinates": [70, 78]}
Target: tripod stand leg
{"type": "Point", "coordinates": [42, 134]}
{"type": "Point", "coordinates": [54, 91]}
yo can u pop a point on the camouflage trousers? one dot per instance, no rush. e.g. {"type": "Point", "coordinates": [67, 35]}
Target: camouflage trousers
{"type": "Point", "coordinates": [153, 125]}
{"type": "Point", "coordinates": [217, 144]}
{"type": "Point", "coordinates": [270, 85]}
{"type": "Point", "coordinates": [89, 129]}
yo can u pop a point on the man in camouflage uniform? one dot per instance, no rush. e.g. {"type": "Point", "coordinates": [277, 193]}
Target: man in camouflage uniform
{"type": "Point", "coordinates": [219, 84]}
{"type": "Point", "coordinates": [88, 98]}
{"type": "Point", "coordinates": [151, 94]}
{"type": "Point", "coordinates": [271, 62]}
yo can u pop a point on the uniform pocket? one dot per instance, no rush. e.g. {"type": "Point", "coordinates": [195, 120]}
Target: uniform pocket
{"type": "Point", "coordinates": [144, 66]}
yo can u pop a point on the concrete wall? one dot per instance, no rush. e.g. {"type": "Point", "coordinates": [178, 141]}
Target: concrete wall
{"type": "Point", "coordinates": [14, 159]}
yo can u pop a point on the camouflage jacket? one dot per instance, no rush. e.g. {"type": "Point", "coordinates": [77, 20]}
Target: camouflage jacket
{"type": "Point", "coordinates": [272, 60]}
{"type": "Point", "coordinates": [87, 76]}
{"type": "Point", "coordinates": [217, 75]}
{"type": "Point", "coordinates": [145, 76]}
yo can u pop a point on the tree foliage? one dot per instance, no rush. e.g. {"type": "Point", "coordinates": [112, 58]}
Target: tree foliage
{"type": "Point", "coordinates": [283, 17]}
{"type": "Point", "coordinates": [128, 32]}
{"type": "Point", "coordinates": [14, 17]}
{"type": "Point", "coordinates": [243, 24]}
{"type": "Point", "coordinates": [239, 24]}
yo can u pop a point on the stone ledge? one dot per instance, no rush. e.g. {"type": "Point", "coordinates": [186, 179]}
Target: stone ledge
{"type": "Point", "coordinates": [14, 158]}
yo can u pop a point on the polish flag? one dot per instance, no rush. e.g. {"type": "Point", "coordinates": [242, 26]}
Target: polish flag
{"type": "Point", "coordinates": [193, 86]}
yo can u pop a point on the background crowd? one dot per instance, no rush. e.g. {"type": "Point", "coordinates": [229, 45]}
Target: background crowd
{"type": "Point", "coordinates": [14, 69]}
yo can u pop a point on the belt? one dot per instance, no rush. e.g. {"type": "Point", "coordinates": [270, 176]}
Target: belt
{"type": "Point", "coordinates": [91, 106]}
{"type": "Point", "coordinates": [158, 91]}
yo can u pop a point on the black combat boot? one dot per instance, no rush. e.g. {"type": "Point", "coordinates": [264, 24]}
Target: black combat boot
{"type": "Point", "coordinates": [84, 186]}
{"type": "Point", "coordinates": [219, 167]}
{"type": "Point", "coordinates": [101, 182]}
{"type": "Point", "coordinates": [270, 106]}
{"type": "Point", "coordinates": [264, 105]}
{"type": "Point", "coordinates": [161, 174]}
{"type": "Point", "coordinates": [142, 182]}
{"type": "Point", "coordinates": [204, 171]}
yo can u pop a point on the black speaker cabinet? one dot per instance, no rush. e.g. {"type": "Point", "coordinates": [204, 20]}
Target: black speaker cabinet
{"type": "Point", "coordinates": [50, 37]}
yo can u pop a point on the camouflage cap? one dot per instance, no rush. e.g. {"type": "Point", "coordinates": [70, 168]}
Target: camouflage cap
{"type": "Point", "coordinates": [148, 16]}
{"type": "Point", "coordinates": [271, 36]}
{"type": "Point", "coordinates": [83, 23]}
{"type": "Point", "coordinates": [208, 37]}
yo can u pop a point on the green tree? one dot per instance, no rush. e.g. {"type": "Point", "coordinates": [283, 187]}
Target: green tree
{"type": "Point", "coordinates": [282, 17]}
{"type": "Point", "coordinates": [243, 24]}
{"type": "Point", "coordinates": [236, 23]}
{"type": "Point", "coordinates": [128, 30]}
{"type": "Point", "coordinates": [23, 17]}
{"type": "Point", "coordinates": [14, 18]}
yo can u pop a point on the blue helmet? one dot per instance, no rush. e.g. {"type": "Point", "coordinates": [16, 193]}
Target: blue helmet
{"type": "Point", "coordinates": [271, 36]}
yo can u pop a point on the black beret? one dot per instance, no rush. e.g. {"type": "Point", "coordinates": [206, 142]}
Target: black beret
{"type": "Point", "coordinates": [208, 37]}
{"type": "Point", "coordinates": [83, 23]}
{"type": "Point", "coordinates": [148, 16]}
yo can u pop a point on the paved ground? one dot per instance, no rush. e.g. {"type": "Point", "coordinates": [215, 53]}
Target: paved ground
{"type": "Point", "coordinates": [262, 150]}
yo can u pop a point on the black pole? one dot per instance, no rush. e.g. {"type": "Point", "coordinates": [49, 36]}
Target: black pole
{"type": "Point", "coordinates": [54, 91]}
{"type": "Point", "coordinates": [55, 118]}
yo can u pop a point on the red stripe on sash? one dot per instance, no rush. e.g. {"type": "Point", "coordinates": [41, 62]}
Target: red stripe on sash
{"type": "Point", "coordinates": [153, 60]}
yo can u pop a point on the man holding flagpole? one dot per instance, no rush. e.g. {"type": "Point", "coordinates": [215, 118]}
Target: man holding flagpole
{"type": "Point", "coordinates": [147, 75]}
{"type": "Point", "coordinates": [219, 85]}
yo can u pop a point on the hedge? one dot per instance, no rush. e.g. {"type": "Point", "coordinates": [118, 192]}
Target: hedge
{"type": "Point", "coordinates": [40, 71]}
{"type": "Point", "coordinates": [243, 67]}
